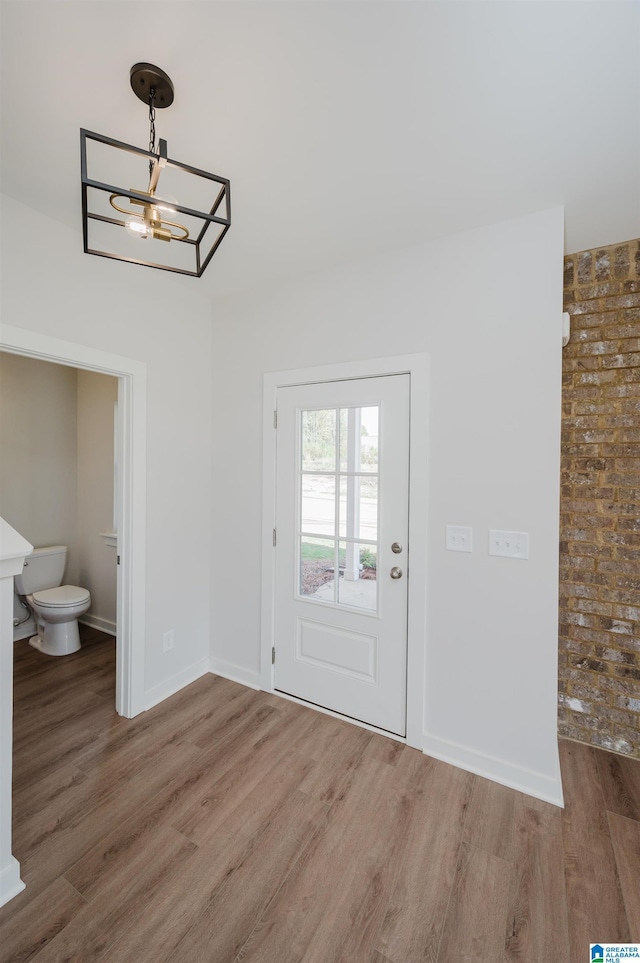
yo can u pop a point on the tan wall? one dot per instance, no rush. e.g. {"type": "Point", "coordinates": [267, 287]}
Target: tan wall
{"type": "Point", "coordinates": [38, 454]}
{"type": "Point", "coordinates": [56, 468]}
{"type": "Point", "coordinates": [97, 395]}
{"type": "Point", "coordinates": [600, 501]}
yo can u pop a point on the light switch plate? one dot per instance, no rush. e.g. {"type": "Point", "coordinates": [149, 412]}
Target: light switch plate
{"type": "Point", "coordinates": [509, 544]}
{"type": "Point", "coordinates": [459, 538]}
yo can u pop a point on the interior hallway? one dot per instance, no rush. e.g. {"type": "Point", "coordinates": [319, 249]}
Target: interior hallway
{"type": "Point", "coordinates": [229, 824]}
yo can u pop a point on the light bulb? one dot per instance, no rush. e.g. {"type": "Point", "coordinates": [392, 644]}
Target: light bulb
{"type": "Point", "coordinates": [137, 228]}
{"type": "Point", "coordinates": [165, 203]}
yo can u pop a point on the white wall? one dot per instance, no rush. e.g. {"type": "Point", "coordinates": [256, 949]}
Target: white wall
{"type": "Point", "coordinates": [97, 394]}
{"type": "Point", "coordinates": [486, 306]}
{"type": "Point", "coordinates": [50, 286]}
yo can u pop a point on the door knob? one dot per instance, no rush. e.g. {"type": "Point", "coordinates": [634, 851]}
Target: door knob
{"type": "Point", "coordinates": [396, 572]}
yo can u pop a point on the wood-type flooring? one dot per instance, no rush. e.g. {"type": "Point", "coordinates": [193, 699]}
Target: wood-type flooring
{"type": "Point", "coordinates": [232, 825]}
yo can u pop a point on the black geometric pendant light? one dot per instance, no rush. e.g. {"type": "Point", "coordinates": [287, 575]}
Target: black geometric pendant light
{"type": "Point", "coordinates": [175, 215]}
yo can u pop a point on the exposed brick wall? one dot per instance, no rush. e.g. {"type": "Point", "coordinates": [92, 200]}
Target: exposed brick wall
{"type": "Point", "coordinates": [599, 661]}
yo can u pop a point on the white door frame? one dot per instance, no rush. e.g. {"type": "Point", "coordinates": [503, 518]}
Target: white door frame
{"type": "Point", "coordinates": [130, 494]}
{"type": "Point", "coordinates": [417, 366]}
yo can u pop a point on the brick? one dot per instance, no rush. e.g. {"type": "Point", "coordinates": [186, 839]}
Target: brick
{"type": "Point", "coordinates": [632, 704]}
{"type": "Point", "coordinates": [626, 456]}
{"type": "Point", "coordinates": [588, 307]}
{"type": "Point", "coordinates": [616, 332]}
{"type": "Point", "coordinates": [621, 261]}
{"type": "Point", "coordinates": [630, 480]}
{"type": "Point", "coordinates": [620, 391]}
{"type": "Point", "coordinates": [580, 393]}
{"type": "Point", "coordinates": [592, 291]}
{"type": "Point", "coordinates": [589, 436]}
{"type": "Point", "coordinates": [578, 618]}
{"type": "Point", "coordinates": [627, 612]}
{"type": "Point", "coordinates": [584, 263]}
{"type": "Point", "coordinates": [578, 364]}
{"type": "Point", "coordinates": [629, 524]}
{"type": "Point", "coordinates": [627, 737]}
{"type": "Point", "coordinates": [630, 435]}
{"type": "Point", "coordinates": [617, 421]}
{"type": "Point", "coordinates": [592, 521]}
{"type": "Point", "coordinates": [598, 608]}
{"type": "Point", "coordinates": [581, 478]}
{"type": "Point", "coordinates": [589, 635]}
{"type": "Point", "coordinates": [578, 591]}
{"type": "Point", "coordinates": [627, 672]}
{"type": "Point", "coordinates": [580, 335]}
{"type": "Point", "coordinates": [627, 345]}
{"type": "Point", "coordinates": [609, 655]}
{"type": "Point", "coordinates": [569, 272]}
{"type": "Point", "coordinates": [620, 538]}
{"type": "Point", "coordinates": [626, 596]}
{"type": "Point", "coordinates": [619, 716]}
{"type": "Point", "coordinates": [580, 505]}
{"type": "Point", "coordinates": [615, 625]}
{"type": "Point", "coordinates": [573, 732]}
{"type": "Point", "coordinates": [595, 377]}
{"type": "Point", "coordinates": [630, 360]}
{"type": "Point", "coordinates": [602, 266]}
{"type": "Point", "coordinates": [622, 301]}
{"type": "Point", "coordinates": [631, 554]}
{"type": "Point", "coordinates": [616, 744]}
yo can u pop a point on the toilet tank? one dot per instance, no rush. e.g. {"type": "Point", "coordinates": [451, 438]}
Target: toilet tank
{"type": "Point", "coordinates": [42, 569]}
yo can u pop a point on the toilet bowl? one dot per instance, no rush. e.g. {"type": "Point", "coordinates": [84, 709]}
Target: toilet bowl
{"type": "Point", "coordinates": [56, 608]}
{"type": "Point", "coordinates": [57, 611]}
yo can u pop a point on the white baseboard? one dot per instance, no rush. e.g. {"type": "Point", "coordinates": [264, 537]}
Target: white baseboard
{"type": "Point", "coordinates": [170, 686]}
{"type": "Point", "coordinates": [523, 780]}
{"type": "Point", "coordinates": [95, 622]}
{"type": "Point", "coordinates": [10, 882]}
{"type": "Point", "coordinates": [236, 673]}
{"type": "Point", "coordinates": [24, 631]}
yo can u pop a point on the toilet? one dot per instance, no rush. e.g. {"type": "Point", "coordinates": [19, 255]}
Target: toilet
{"type": "Point", "coordinates": [56, 607]}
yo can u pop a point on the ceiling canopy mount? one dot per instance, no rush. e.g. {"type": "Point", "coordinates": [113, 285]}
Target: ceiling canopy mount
{"type": "Point", "coordinates": [149, 81]}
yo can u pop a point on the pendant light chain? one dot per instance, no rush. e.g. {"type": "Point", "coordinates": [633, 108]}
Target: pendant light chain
{"type": "Point", "coordinates": [152, 125]}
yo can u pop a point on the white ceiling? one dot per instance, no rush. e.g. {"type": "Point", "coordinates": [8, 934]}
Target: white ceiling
{"type": "Point", "coordinates": [346, 128]}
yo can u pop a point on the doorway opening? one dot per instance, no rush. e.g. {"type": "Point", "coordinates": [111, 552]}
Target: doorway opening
{"type": "Point", "coordinates": [129, 492]}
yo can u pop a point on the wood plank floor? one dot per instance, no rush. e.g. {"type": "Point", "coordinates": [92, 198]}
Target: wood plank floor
{"type": "Point", "coordinates": [230, 825]}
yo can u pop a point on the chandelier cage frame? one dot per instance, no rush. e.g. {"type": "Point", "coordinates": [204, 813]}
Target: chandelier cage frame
{"type": "Point", "coordinates": [201, 256]}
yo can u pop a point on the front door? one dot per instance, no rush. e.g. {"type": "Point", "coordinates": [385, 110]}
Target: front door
{"type": "Point", "coordinates": [341, 547]}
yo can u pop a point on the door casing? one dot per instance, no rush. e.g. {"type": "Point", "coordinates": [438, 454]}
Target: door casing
{"type": "Point", "coordinates": [417, 366]}
{"type": "Point", "coordinates": [130, 495]}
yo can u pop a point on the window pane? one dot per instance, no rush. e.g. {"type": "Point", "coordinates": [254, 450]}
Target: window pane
{"type": "Point", "coordinates": [319, 440]}
{"type": "Point", "coordinates": [318, 504]}
{"type": "Point", "coordinates": [359, 439]}
{"type": "Point", "coordinates": [317, 562]}
{"type": "Point", "coordinates": [358, 582]}
{"type": "Point", "coordinates": [369, 438]}
{"type": "Point", "coordinates": [359, 507]}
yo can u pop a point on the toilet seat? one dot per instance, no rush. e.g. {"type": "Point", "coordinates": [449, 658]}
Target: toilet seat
{"type": "Point", "coordinates": [61, 597]}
